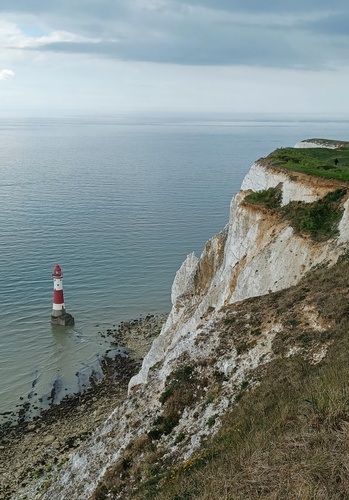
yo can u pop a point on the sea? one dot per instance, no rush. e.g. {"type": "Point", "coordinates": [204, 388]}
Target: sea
{"type": "Point", "coordinates": [118, 202]}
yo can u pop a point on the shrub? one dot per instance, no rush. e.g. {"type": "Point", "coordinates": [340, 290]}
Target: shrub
{"type": "Point", "coordinates": [211, 421]}
{"type": "Point", "coordinates": [179, 393]}
{"type": "Point", "coordinates": [179, 438]}
{"type": "Point", "coordinates": [271, 198]}
{"type": "Point", "coordinates": [320, 218]}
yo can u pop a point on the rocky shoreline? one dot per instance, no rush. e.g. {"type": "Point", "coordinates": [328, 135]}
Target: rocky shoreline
{"type": "Point", "coordinates": [30, 450]}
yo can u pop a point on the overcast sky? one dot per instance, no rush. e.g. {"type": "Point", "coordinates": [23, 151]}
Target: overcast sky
{"type": "Point", "coordinates": [119, 56]}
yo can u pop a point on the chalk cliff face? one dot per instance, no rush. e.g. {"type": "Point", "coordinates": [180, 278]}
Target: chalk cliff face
{"type": "Point", "coordinates": [257, 253]}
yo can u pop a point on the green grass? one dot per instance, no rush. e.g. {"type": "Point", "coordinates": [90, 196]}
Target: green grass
{"type": "Point", "coordinates": [271, 198]}
{"type": "Point", "coordinates": [313, 161]}
{"type": "Point", "coordinates": [287, 439]}
{"type": "Point", "coordinates": [177, 395]}
{"type": "Point", "coordinates": [320, 218]}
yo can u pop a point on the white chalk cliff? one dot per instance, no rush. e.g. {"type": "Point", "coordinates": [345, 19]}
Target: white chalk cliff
{"type": "Point", "coordinates": [256, 253]}
{"type": "Point", "coordinates": [253, 255]}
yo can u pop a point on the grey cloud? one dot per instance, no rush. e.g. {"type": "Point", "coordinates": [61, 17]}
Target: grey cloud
{"type": "Point", "coordinates": [331, 25]}
{"type": "Point", "coordinates": [105, 8]}
{"type": "Point", "coordinates": [67, 7]}
{"type": "Point", "coordinates": [221, 47]}
{"type": "Point", "coordinates": [178, 31]}
{"type": "Point", "coordinates": [272, 6]}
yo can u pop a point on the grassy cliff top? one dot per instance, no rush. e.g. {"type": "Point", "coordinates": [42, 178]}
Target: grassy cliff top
{"type": "Point", "coordinates": [322, 161]}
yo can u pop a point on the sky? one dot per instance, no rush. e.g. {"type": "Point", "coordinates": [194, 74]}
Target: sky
{"type": "Point", "coordinates": [173, 56]}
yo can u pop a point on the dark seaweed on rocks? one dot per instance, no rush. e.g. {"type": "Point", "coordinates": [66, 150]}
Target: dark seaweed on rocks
{"type": "Point", "coordinates": [30, 449]}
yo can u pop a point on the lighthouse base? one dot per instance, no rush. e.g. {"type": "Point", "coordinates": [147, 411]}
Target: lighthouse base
{"type": "Point", "coordinates": [64, 319]}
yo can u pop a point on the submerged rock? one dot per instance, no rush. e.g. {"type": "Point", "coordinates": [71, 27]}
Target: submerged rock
{"type": "Point", "coordinates": [64, 319]}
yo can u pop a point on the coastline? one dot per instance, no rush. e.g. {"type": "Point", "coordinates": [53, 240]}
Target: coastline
{"type": "Point", "coordinates": [30, 449]}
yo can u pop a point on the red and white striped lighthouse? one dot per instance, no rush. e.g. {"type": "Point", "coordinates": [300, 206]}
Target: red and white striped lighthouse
{"type": "Point", "coordinates": [59, 315]}
{"type": "Point", "coordinates": [58, 300]}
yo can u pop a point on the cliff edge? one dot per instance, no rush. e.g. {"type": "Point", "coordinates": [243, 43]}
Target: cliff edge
{"type": "Point", "coordinates": [224, 327]}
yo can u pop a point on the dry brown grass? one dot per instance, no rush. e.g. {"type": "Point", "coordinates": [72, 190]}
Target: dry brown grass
{"type": "Point", "coordinates": [286, 438]}
{"type": "Point", "coordinates": [289, 437]}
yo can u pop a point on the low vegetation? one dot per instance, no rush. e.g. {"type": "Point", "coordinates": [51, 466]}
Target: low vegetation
{"type": "Point", "coordinates": [286, 439]}
{"type": "Point", "coordinates": [320, 219]}
{"type": "Point", "coordinates": [286, 434]}
{"type": "Point", "coordinates": [271, 198]}
{"type": "Point", "coordinates": [323, 162]}
{"type": "Point", "coordinates": [182, 389]}
{"type": "Point", "coordinates": [289, 436]}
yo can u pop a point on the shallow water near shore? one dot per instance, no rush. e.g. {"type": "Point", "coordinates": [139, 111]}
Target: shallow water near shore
{"type": "Point", "coordinates": [118, 204]}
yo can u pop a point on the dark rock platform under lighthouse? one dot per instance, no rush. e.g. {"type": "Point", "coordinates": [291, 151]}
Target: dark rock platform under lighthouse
{"type": "Point", "coordinates": [64, 319]}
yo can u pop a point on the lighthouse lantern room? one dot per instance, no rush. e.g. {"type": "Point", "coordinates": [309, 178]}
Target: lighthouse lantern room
{"type": "Point", "coordinates": [59, 315]}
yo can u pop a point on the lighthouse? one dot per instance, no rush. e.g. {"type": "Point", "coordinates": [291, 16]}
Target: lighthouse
{"type": "Point", "coordinates": [59, 315]}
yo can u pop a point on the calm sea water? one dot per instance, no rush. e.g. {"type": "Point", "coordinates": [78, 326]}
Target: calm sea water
{"type": "Point", "coordinates": [118, 204]}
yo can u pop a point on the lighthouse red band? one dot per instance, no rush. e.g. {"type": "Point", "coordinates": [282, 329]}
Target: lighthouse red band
{"type": "Point", "coordinates": [58, 300]}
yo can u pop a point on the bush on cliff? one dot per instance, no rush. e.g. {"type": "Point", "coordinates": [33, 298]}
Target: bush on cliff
{"type": "Point", "coordinates": [320, 218]}
{"type": "Point", "coordinates": [270, 198]}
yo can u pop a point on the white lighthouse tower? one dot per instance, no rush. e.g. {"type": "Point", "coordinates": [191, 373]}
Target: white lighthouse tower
{"type": "Point", "coordinates": [59, 315]}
